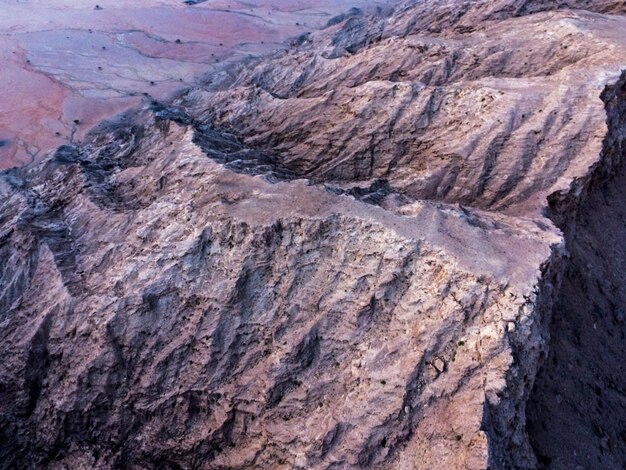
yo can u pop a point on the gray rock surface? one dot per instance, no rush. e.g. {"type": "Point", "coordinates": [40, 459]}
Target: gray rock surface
{"type": "Point", "coordinates": [346, 255]}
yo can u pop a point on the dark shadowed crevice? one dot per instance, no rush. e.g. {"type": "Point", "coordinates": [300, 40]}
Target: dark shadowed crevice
{"type": "Point", "coordinates": [577, 410]}
{"type": "Point", "coordinates": [231, 151]}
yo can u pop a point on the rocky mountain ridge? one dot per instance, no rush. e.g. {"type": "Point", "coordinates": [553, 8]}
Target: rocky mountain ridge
{"type": "Point", "coordinates": [361, 252]}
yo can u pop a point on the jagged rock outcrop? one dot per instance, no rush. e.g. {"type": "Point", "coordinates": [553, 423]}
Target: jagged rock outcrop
{"type": "Point", "coordinates": [497, 116]}
{"type": "Point", "coordinates": [195, 316]}
{"type": "Point", "coordinates": [336, 257]}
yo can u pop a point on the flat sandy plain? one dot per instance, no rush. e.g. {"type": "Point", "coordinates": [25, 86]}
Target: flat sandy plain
{"type": "Point", "coordinates": [69, 64]}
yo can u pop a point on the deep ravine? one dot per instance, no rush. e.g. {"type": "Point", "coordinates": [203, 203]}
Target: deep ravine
{"type": "Point", "coordinates": [577, 411]}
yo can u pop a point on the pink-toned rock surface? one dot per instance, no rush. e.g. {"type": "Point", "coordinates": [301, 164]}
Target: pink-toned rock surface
{"type": "Point", "coordinates": [65, 60]}
{"type": "Point", "coordinates": [396, 244]}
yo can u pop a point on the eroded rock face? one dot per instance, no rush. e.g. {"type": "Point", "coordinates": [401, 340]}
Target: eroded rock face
{"type": "Point", "coordinates": [336, 257]}
{"type": "Point", "coordinates": [497, 116]}
{"type": "Point", "coordinates": [195, 316]}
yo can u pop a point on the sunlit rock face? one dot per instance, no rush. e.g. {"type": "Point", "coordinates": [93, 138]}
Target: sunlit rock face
{"type": "Point", "coordinates": [66, 65]}
{"type": "Point", "coordinates": [395, 243]}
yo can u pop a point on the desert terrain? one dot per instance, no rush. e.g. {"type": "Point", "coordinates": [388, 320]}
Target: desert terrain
{"type": "Point", "coordinates": [68, 65]}
{"type": "Point", "coordinates": [393, 241]}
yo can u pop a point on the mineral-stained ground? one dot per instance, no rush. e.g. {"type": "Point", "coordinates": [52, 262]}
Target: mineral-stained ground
{"type": "Point", "coordinates": [68, 64]}
{"type": "Point", "coordinates": [400, 243]}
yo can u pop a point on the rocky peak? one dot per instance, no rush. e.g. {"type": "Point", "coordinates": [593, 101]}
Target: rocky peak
{"type": "Point", "coordinates": [347, 255]}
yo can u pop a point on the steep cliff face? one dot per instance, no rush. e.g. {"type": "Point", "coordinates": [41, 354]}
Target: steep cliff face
{"type": "Point", "coordinates": [335, 257]}
{"type": "Point", "coordinates": [577, 408]}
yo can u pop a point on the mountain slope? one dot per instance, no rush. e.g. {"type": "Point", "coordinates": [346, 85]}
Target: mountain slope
{"type": "Point", "coordinates": [346, 255]}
